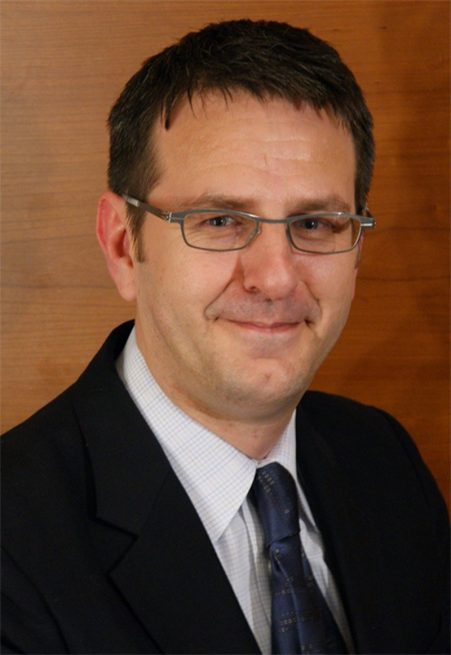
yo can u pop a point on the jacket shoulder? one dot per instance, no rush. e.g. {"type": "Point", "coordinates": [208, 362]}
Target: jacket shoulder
{"type": "Point", "coordinates": [49, 432]}
{"type": "Point", "coordinates": [327, 407]}
{"type": "Point", "coordinates": [58, 418]}
{"type": "Point", "coordinates": [48, 450]}
{"type": "Point", "coordinates": [348, 423]}
{"type": "Point", "coordinates": [369, 443]}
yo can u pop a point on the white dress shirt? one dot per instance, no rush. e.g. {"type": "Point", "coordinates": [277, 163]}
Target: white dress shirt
{"type": "Point", "coordinates": [217, 477]}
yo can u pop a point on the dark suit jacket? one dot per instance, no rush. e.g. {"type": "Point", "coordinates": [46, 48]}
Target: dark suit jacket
{"type": "Point", "coordinates": [104, 552]}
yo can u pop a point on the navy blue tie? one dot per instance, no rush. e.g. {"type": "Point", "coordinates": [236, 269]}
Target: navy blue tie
{"type": "Point", "coordinates": [301, 621]}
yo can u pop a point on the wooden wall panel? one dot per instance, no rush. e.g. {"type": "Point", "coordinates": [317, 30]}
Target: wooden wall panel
{"type": "Point", "coordinates": [64, 63]}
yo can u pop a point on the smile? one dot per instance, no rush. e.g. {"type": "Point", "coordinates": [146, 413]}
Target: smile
{"type": "Point", "coordinates": [265, 328]}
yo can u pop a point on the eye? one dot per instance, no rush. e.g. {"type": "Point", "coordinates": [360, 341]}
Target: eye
{"type": "Point", "coordinates": [207, 221]}
{"type": "Point", "coordinates": [213, 230]}
{"type": "Point", "coordinates": [220, 221]}
{"type": "Point", "coordinates": [312, 224]}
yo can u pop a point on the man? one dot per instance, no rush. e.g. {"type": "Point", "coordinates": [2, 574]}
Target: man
{"type": "Point", "coordinates": [136, 512]}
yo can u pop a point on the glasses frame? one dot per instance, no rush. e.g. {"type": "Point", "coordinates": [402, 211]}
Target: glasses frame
{"type": "Point", "coordinates": [367, 222]}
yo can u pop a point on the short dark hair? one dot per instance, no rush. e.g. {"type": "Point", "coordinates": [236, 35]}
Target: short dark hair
{"type": "Point", "coordinates": [267, 59]}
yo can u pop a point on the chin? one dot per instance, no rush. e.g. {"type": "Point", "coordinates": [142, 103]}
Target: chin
{"type": "Point", "coordinates": [269, 389]}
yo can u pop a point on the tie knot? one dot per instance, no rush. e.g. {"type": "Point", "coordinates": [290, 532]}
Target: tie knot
{"type": "Point", "coordinates": [276, 499]}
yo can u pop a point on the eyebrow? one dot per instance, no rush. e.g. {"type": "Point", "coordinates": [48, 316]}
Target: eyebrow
{"type": "Point", "coordinates": [331, 202]}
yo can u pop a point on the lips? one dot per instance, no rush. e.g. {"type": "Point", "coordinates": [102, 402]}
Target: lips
{"type": "Point", "coordinates": [261, 313]}
{"type": "Point", "coordinates": [265, 326]}
{"type": "Point", "coordinates": [270, 321]}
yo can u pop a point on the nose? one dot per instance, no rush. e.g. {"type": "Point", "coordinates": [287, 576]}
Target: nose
{"type": "Point", "coordinates": [269, 265]}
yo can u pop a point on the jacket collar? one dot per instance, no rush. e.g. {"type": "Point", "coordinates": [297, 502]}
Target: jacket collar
{"type": "Point", "coordinates": [170, 575]}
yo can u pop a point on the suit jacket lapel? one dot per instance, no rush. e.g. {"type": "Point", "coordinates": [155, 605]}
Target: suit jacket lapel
{"type": "Point", "coordinates": [170, 576]}
{"type": "Point", "coordinates": [174, 581]}
{"type": "Point", "coordinates": [352, 543]}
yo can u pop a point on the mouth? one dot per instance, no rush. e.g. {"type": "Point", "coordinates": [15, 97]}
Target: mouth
{"type": "Point", "coordinates": [272, 328]}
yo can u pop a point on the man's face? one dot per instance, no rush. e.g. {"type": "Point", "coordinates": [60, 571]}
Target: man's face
{"type": "Point", "coordinates": [239, 335]}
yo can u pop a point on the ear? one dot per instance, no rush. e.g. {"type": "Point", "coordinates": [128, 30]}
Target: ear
{"type": "Point", "coordinates": [113, 235]}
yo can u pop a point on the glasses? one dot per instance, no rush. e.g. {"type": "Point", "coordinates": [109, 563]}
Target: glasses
{"type": "Point", "coordinates": [220, 230]}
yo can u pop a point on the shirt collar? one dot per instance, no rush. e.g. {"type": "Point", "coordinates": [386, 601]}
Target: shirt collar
{"type": "Point", "coordinates": [216, 476]}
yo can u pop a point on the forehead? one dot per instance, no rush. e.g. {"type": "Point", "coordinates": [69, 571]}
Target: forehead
{"type": "Point", "coordinates": [243, 145]}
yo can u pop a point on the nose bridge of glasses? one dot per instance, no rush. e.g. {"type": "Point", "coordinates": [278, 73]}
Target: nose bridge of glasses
{"type": "Point", "coordinates": [269, 263]}
{"type": "Point", "coordinates": [261, 230]}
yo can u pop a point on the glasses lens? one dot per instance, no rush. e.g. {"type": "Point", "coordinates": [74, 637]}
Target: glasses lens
{"type": "Point", "coordinates": [325, 233]}
{"type": "Point", "coordinates": [216, 231]}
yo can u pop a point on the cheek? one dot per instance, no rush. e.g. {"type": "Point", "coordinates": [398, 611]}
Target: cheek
{"type": "Point", "coordinates": [206, 278]}
{"type": "Point", "coordinates": [200, 273]}
{"type": "Point", "coordinates": [180, 280]}
{"type": "Point", "coordinates": [332, 282]}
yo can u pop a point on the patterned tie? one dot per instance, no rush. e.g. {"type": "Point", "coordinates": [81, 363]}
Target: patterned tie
{"type": "Point", "coordinates": [301, 621]}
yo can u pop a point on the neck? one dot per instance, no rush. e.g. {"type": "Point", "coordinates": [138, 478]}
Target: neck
{"type": "Point", "coordinates": [253, 436]}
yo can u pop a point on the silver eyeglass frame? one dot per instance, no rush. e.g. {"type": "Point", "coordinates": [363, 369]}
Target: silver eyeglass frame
{"type": "Point", "coordinates": [367, 222]}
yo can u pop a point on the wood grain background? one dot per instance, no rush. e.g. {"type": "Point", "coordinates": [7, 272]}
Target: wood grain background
{"type": "Point", "coordinates": [65, 62]}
